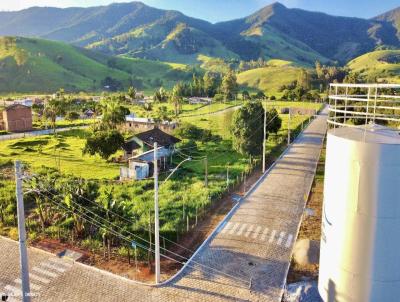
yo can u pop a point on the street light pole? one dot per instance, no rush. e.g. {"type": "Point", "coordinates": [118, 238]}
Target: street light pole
{"type": "Point", "coordinates": [156, 215]}
{"type": "Point", "coordinates": [156, 218]}
{"type": "Point", "coordinates": [289, 128]}
{"type": "Point", "coordinates": [265, 133]}
{"type": "Point", "coordinates": [22, 234]}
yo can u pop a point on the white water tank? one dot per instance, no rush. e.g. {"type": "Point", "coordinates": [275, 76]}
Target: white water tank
{"type": "Point", "coordinates": [360, 244]}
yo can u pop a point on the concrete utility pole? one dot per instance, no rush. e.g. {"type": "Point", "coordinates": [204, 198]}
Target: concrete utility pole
{"type": "Point", "coordinates": [156, 218]}
{"type": "Point", "coordinates": [265, 134]}
{"type": "Point", "coordinates": [206, 172]}
{"type": "Point", "coordinates": [227, 176]}
{"type": "Point", "coordinates": [22, 234]}
{"type": "Point", "coordinates": [289, 128]}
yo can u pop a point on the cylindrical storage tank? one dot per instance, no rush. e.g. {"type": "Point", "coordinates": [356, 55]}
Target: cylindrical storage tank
{"type": "Point", "coordinates": [360, 244]}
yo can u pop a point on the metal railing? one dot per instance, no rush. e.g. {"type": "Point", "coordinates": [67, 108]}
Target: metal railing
{"type": "Point", "coordinates": [359, 105]}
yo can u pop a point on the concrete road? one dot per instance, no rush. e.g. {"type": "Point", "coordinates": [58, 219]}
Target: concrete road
{"type": "Point", "coordinates": [33, 133]}
{"type": "Point", "coordinates": [246, 259]}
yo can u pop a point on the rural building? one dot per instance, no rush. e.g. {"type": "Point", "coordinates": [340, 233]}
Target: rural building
{"type": "Point", "coordinates": [199, 100]}
{"type": "Point", "coordinates": [16, 118]}
{"type": "Point", "coordinates": [298, 111]}
{"type": "Point", "coordinates": [144, 142]}
{"type": "Point", "coordinates": [139, 152]}
{"type": "Point", "coordinates": [140, 124]}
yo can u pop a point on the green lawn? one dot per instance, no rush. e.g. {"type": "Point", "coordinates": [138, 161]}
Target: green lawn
{"type": "Point", "coordinates": [63, 152]}
{"type": "Point", "coordinates": [64, 123]}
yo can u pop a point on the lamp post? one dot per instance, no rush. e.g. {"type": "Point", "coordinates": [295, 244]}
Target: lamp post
{"type": "Point", "coordinates": [156, 216]}
{"type": "Point", "coordinates": [22, 234]}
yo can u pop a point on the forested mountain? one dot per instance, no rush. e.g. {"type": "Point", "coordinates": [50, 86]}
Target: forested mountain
{"type": "Point", "coordinates": [275, 31]}
{"type": "Point", "coordinates": [393, 17]}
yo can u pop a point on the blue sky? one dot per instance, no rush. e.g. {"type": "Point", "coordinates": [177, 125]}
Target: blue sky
{"type": "Point", "coordinates": [220, 10]}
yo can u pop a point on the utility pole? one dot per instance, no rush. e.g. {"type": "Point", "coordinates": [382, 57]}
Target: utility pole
{"type": "Point", "coordinates": [289, 128]}
{"type": "Point", "coordinates": [265, 134]}
{"type": "Point", "coordinates": [22, 234]}
{"type": "Point", "coordinates": [206, 172]}
{"type": "Point", "coordinates": [156, 218]}
{"type": "Point", "coordinates": [227, 176]}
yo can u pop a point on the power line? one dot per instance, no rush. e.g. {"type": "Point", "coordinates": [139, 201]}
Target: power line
{"type": "Point", "coordinates": [134, 235]}
{"type": "Point", "coordinates": [100, 225]}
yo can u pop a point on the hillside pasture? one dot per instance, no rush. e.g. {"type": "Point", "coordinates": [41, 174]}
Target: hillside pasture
{"type": "Point", "coordinates": [380, 65]}
{"type": "Point", "coordinates": [268, 79]}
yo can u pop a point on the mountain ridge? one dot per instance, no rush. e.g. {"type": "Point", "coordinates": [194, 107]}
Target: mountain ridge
{"type": "Point", "coordinates": [275, 31]}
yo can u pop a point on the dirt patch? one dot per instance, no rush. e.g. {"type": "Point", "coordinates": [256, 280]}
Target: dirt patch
{"type": "Point", "coordinates": [310, 226]}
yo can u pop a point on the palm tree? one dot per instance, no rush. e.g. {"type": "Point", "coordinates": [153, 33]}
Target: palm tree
{"type": "Point", "coordinates": [53, 108]}
{"type": "Point", "coordinates": [177, 97]}
{"type": "Point", "coordinates": [113, 113]}
{"type": "Point", "coordinates": [132, 93]}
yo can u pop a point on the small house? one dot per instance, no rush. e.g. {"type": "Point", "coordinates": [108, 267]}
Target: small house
{"type": "Point", "coordinates": [139, 151]}
{"type": "Point", "coordinates": [199, 100]}
{"type": "Point", "coordinates": [16, 118]}
{"type": "Point", "coordinates": [144, 141]}
{"type": "Point", "coordinates": [139, 124]}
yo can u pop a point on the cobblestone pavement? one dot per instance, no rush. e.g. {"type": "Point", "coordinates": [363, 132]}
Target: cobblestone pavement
{"type": "Point", "coordinates": [247, 259]}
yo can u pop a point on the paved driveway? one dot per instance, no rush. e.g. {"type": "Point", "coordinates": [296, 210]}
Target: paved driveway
{"type": "Point", "coordinates": [247, 259]}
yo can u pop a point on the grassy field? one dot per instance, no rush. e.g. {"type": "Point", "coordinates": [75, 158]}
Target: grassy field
{"type": "Point", "coordinates": [64, 123]}
{"type": "Point", "coordinates": [381, 64]}
{"type": "Point", "coordinates": [65, 150]}
{"type": "Point", "coordinates": [268, 79]}
{"type": "Point", "coordinates": [62, 152]}
{"type": "Point", "coordinates": [187, 109]}
{"type": "Point", "coordinates": [35, 65]}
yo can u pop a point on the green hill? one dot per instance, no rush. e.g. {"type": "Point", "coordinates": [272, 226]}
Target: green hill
{"type": "Point", "coordinates": [269, 78]}
{"type": "Point", "coordinates": [137, 30]}
{"type": "Point", "coordinates": [378, 65]}
{"type": "Point", "coordinates": [35, 65]}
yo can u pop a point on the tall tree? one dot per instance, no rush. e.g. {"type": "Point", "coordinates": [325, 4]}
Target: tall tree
{"type": "Point", "coordinates": [161, 95]}
{"type": "Point", "coordinates": [304, 79]}
{"type": "Point", "coordinates": [209, 84]}
{"type": "Point", "coordinates": [177, 97]}
{"type": "Point", "coordinates": [55, 107]}
{"type": "Point", "coordinates": [247, 127]}
{"type": "Point", "coordinates": [132, 93]}
{"type": "Point", "coordinates": [113, 113]}
{"type": "Point", "coordinates": [103, 142]}
{"type": "Point", "coordinates": [229, 85]}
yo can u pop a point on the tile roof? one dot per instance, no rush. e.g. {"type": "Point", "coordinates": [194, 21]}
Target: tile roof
{"type": "Point", "coordinates": [159, 136]}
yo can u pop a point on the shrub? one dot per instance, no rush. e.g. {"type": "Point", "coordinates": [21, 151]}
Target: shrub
{"type": "Point", "coordinates": [72, 115]}
{"type": "Point", "coordinates": [192, 132]}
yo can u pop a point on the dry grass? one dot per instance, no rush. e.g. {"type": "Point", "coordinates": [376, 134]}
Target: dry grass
{"type": "Point", "coordinates": [311, 226]}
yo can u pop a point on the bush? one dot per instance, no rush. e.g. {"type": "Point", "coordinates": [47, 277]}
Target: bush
{"type": "Point", "coordinates": [104, 143]}
{"type": "Point", "coordinates": [192, 132]}
{"type": "Point", "coordinates": [219, 98]}
{"type": "Point", "coordinates": [189, 145]}
{"type": "Point", "coordinates": [71, 116]}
